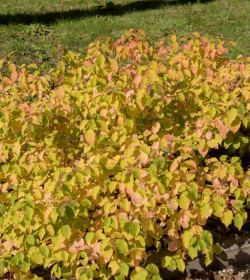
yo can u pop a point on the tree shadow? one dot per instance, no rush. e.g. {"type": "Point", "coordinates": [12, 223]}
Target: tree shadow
{"type": "Point", "coordinates": [110, 9]}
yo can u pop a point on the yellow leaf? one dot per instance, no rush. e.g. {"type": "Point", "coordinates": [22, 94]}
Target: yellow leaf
{"type": "Point", "coordinates": [90, 137]}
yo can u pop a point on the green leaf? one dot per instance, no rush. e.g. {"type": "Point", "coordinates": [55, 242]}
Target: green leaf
{"type": "Point", "coordinates": [37, 258]}
{"type": "Point", "coordinates": [136, 173]}
{"type": "Point", "coordinates": [180, 264]}
{"type": "Point", "coordinates": [166, 261]}
{"type": "Point", "coordinates": [204, 210]}
{"type": "Point", "coordinates": [1, 268]}
{"type": "Point", "coordinates": [141, 275]}
{"type": "Point", "coordinates": [132, 228]}
{"type": "Point", "coordinates": [160, 162]}
{"type": "Point", "coordinates": [89, 273]}
{"type": "Point", "coordinates": [89, 237]}
{"type": "Point", "coordinates": [25, 266]}
{"type": "Point", "coordinates": [209, 258]}
{"type": "Point", "coordinates": [186, 237]}
{"type": "Point", "coordinates": [100, 60]}
{"type": "Point", "coordinates": [232, 114]}
{"type": "Point", "coordinates": [61, 66]}
{"type": "Point", "coordinates": [30, 239]}
{"type": "Point", "coordinates": [227, 217]}
{"type": "Point", "coordinates": [193, 190]}
{"type": "Point", "coordinates": [217, 249]}
{"type": "Point", "coordinates": [156, 277]}
{"type": "Point", "coordinates": [44, 250]}
{"type": "Point", "coordinates": [122, 246]}
{"type": "Point", "coordinates": [207, 237]}
{"type": "Point", "coordinates": [238, 221]}
{"type": "Point", "coordinates": [124, 269]}
{"type": "Point", "coordinates": [66, 231]}
{"type": "Point", "coordinates": [18, 258]}
{"type": "Point", "coordinates": [152, 269]}
{"type": "Point", "coordinates": [184, 200]}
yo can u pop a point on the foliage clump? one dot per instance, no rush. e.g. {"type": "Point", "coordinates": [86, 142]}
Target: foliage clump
{"type": "Point", "coordinates": [130, 146]}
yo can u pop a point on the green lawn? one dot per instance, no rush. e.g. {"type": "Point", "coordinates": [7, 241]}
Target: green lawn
{"type": "Point", "coordinates": [31, 29]}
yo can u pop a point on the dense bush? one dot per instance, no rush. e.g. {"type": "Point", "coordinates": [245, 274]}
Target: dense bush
{"type": "Point", "coordinates": [130, 146]}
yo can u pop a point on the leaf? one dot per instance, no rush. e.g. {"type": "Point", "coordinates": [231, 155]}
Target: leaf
{"type": "Point", "coordinates": [18, 258]}
{"type": "Point", "coordinates": [186, 237]}
{"type": "Point", "coordinates": [193, 250]}
{"type": "Point", "coordinates": [114, 266]}
{"type": "Point", "coordinates": [1, 268]}
{"type": "Point", "coordinates": [122, 246]}
{"type": "Point", "coordinates": [156, 277]}
{"type": "Point", "coordinates": [132, 228]}
{"type": "Point", "coordinates": [90, 137]}
{"type": "Point", "coordinates": [184, 201]}
{"type": "Point", "coordinates": [137, 80]}
{"type": "Point", "coordinates": [156, 127]}
{"type": "Point", "coordinates": [217, 249]}
{"type": "Point", "coordinates": [136, 173]}
{"type": "Point", "coordinates": [30, 239]}
{"type": "Point", "coordinates": [124, 269]}
{"type": "Point", "coordinates": [139, 98]}
{"type": "Point", "coordinates": [209, 258]}
{"type": "Point", "coordinates": [66, 231]}
{"type": "Point", "coordinates": [227, 217]}
{"type": "Point", "coordinates": [140, 275]}
{"type": "Point", "coordinates": [143, 157]}
{"type": "Point", "coordinates": [174, 165]}
{"type": "Point", "coordinates": [152, 269]}
{"type": "Point", "coordinates": [207, 237]}
{"type": "Point", "coordinates": [89, 237]}
{"type": "Point", "coordinates": [173, 38]}
{"type": "Point", "coordinates": [238, 221]}
{"type": "Point", "coordinates": [100, 60]}
{"type": "Point", "coordinates": [114, 65]}
{"type": "Point", "coordinates": [205, 210]}
{"type": "Point", "coordinates": [61, 66]}
{"type": "Point", "coordinates": [180, 264]}
{"type": "Point", "coordinates": [232, 114]}
{"type": "Point", "coordinates": [37, 258]}
{"type": "Point", "coordinates": [44, 250]}
{"type": "Point", "coordinates": [166, 261]}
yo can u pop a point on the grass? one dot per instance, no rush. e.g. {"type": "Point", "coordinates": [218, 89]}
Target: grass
{"type": "Point", "coordinates": [31, 29]}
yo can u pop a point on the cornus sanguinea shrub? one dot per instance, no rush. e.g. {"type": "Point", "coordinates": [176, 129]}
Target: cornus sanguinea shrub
{"type": "Point", "coordinates": [133, 145]}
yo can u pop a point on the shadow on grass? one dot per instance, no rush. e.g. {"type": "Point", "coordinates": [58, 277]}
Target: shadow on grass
{"type": "Point", "coordinates": [110, 9]}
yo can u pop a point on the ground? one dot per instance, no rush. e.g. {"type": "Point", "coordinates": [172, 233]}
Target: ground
{"type": "Point", "coordinates": [31, 29]}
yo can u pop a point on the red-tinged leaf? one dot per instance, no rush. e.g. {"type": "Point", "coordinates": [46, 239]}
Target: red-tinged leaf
{"type": "Point", "coordinates": [169, 137]}
{"type": "Point", "coordinates": [14, 76]}
{"type": "Point", "coordinates": [174, 165]}
{"type": "Point", "coordinates": [194, 68]}
{"type": "Point", "coordinates": [137, 80]}
{"type": "Point", "coordinates": [184, 221]}
{"type": "Point", "coordinates": [213, 53]}
{"type": "Point", "coordinates": [209, 72]}
{"type": "Point", "coordinates": [132, 45]}
{"type": "Point", "coordinates": [172, 74]}
{"type": "Point", "coordinates": [114, 65]}
{"type": "Point", "coordinates": [203, 152]}
{"type": "Point", "coordinates": [143, 157]}
{"type": "Point", "coordinates": [185, 63]}
{"type": "Point", "coordinates": [156, 127]}
{"type": "Point", "coordinates": [90, 137]}
{"type": "Point", "coordinates": [209, 135]}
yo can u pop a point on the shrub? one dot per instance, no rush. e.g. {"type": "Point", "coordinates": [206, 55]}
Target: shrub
{"type": "Point", "coordinates": [130, 146]}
